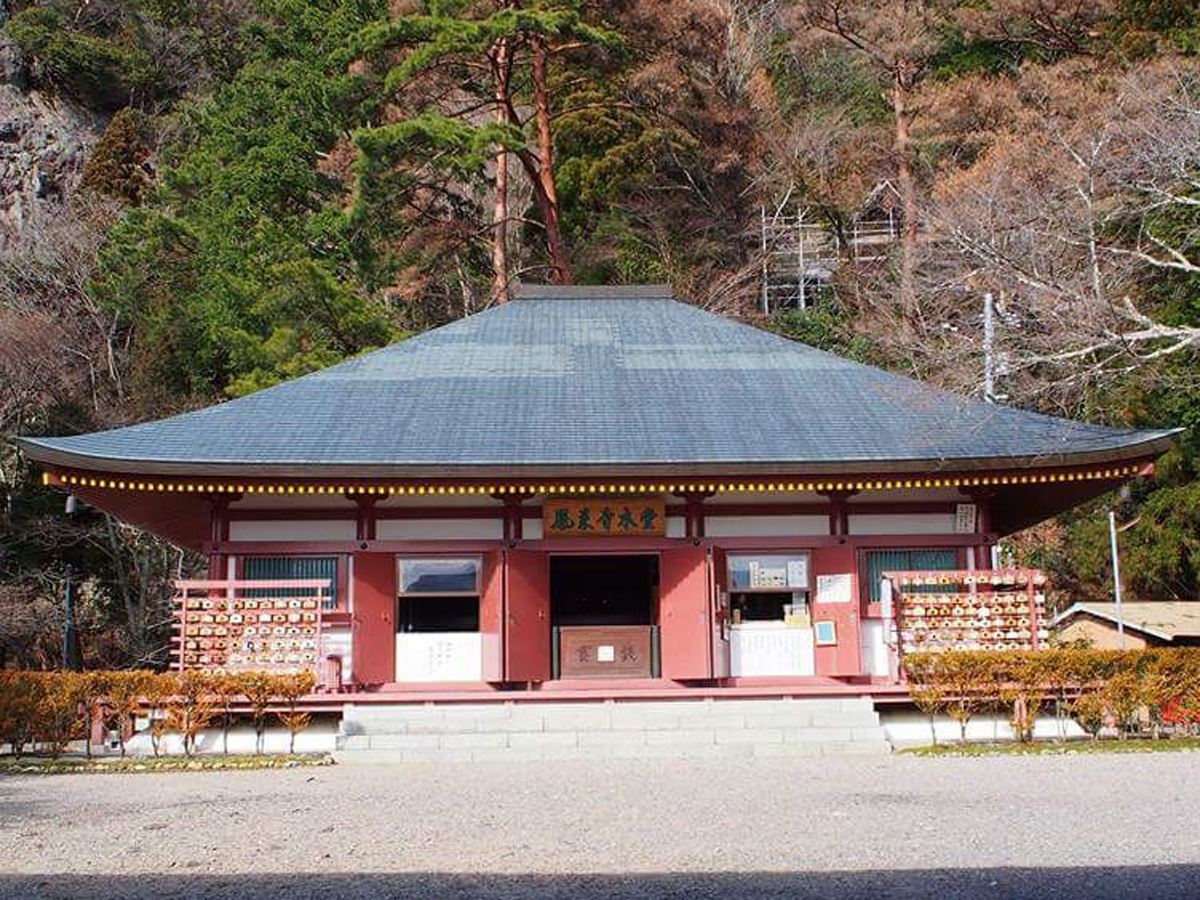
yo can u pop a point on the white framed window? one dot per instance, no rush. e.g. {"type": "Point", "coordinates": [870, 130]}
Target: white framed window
{"type": "Point", "coordinates": [438, 594]}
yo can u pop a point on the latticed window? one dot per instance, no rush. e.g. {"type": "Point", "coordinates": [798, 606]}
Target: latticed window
{"type": "Point", "coordinates": [880, 561]}
{"type": "Point", "coordinates": [276, 568]}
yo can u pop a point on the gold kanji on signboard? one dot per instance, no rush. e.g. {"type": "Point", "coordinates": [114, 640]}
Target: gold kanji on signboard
{"type": "Point", "coordinates": [604, 517]}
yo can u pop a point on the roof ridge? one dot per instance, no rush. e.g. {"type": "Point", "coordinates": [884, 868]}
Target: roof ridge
{"type": "Point", "coordinates": [523, 291]}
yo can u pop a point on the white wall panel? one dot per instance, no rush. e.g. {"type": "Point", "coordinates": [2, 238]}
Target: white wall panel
{"type": "Point", "coordinates": [765, 649]}
{"type": "Point", "coordinates": [316, 530]}
{"type": "Point", "coordinates": [873, 643]}
{"type": "Point", "coordinates": [765, 526]}
{"type": "Point", "coordinates": [440, 529]}
{"type": "Point", "coordinates": [910, 728]}
{"type": "Point", "coordinates": [439, 656]}
{"type": "Point", "coordinates": [910, 523]}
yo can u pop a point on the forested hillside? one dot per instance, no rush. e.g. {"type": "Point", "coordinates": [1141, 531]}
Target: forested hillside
{"type": "Point", "coordinates": [200, 198]}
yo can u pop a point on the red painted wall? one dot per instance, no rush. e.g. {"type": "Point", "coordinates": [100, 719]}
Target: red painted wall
{"type": "Point", "coordinates": [719, 614]}
{"type": "Point", "coordinates": [845, 657]}
{"type": "Point", "coordinates": [683, 613]}
{"type": "Point", "coordinates": [527, 618]}
{"type": "Point", "coordinates": [374, 623]}
{"type": "Point", "coordinates": [491, 615]}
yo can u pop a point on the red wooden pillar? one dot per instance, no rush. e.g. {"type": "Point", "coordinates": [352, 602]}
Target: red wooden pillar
{"type": "Point", "coordinates": [719, 612]}
{"type": "Point", "coordinates": [365, 518]}
{"type": "Point", "coordinates": [839, 512]}
{"type": "Point", "coordinates": [683, 613]}
{"type": "Point", "coordinates": [218, 568]}
{"type": "Point", "coordinates": [983, 526]}
{"type": "Point", "coordinates": [374, 622]}
{"type": "Point", "coordinates": [845, 656]}
{"type": "Point", "coordinates": [491, 615]}
{"type": "Point", "coordinates": [1033, 613]}
{"type": "Point", "coordinates": [512, 515]}
{"type": "Point", "coordinates": [527, 615]}
{"type": "Point", "coordinates": [693, 512]}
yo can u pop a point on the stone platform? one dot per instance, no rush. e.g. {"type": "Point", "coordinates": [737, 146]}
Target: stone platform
{"type": "Point", "coordinates": [601, 729]}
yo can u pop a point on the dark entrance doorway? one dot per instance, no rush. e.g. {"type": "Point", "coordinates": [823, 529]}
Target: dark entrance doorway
{"type": "Point", "coordinates": [604, 610]}
{"type": "Point", "coordinates": [603, 590]}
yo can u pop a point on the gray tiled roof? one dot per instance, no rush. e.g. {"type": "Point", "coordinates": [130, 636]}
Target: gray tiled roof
{"type": "Point", "coordinates": [607, 378]}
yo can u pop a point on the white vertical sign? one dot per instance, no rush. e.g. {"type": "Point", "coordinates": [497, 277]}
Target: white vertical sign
{"type": "Point", "coordinates": [964, 518]}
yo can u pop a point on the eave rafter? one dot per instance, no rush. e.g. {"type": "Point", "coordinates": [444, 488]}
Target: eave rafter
{"type": "Point", "coordinates": [69, 479]}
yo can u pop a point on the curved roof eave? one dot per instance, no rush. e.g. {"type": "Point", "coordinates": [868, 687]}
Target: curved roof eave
{"type": "Point", "coordinates": [46, 453]}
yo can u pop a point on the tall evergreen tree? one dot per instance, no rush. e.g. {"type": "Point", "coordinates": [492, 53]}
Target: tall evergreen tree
{"type": "Point", "coordinates": [470, 71]}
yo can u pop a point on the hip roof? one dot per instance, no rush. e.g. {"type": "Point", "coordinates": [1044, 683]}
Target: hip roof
{"type": "Point", "coordinates": [613, 379]}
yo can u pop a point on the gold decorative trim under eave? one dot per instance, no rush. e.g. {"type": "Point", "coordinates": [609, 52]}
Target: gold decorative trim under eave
{"type": "Point", "coordinates": [66, 480]}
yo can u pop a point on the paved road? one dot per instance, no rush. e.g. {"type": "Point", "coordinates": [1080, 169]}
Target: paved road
{"type": "Point", "coordinates": [1063, 827]}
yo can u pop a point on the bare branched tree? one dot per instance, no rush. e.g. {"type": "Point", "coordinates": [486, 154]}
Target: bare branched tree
{"type": "Point", "coordinates": [1091, 196]}
{"type": "Point", "coordinates": [62, 366]}
{"type": "Point", "coordinates": [1055, 26]}
{"type": "Point", "coordinates": [56, 345]}
{"type": "Point", "coordinates": [899, 38]}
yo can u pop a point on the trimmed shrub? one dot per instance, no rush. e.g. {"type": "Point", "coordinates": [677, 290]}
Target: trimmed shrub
{"type": "Point", "coordinates": [20, 703]}
{"type": "Point", "coordinates": [55, 708]}
{"type": "Point", "coordinates": [290, 689]}
{"type": "Point", "coordinates": [259, 690]}
{"type": "Point", "coordinates": [59, 712]}
{"type": "Point", "coordinates": [1129, 689]}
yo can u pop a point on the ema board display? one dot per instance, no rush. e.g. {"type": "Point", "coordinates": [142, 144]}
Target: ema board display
{"type": "Point", "coordinates": [1003, 610]}
{"type": "Point", "coordinates": [249, 634]}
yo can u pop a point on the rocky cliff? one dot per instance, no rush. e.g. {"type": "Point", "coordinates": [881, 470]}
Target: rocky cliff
{"type": "Point", "coordinates": [44, 144]}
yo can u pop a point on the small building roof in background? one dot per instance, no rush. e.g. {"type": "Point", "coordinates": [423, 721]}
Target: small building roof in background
{"type": "Point", "coordinates": [1164, 619]}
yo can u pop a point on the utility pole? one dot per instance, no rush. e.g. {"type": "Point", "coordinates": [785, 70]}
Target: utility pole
{"type": "Point", "coordinates": [766, 266]}
{"type": "Point", "coordinates": [70, 647]}
{"type": "Point", "coordinates": [1116, 569]}
{"type": "Point", "coordinates": [989, 349]}
{"type": "Point", "coordinates": [989, 374]}
{"type": "Point", "coordinates": [802, 301]}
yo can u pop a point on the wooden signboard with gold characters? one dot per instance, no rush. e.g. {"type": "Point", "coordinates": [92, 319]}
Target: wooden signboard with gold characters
{"type": "Point", "coordinates": [603, 517]}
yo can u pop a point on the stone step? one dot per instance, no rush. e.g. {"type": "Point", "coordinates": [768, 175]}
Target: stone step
{"type": "Point", "coordinates": [600, 723]}
{"type": "Point", "coordinates": [647, 737]}
{"type": "Point", "coordinates": [605, 716]}
{"type": "Point", "coordinates": [835, 706]}
{"type": "Point", "coordinates": [393, 756]}
{"type": "Point", "coordinates": [600, 729]}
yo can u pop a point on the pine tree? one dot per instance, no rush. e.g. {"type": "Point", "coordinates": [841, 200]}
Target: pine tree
{"type": "Point", "coordinates": [472, 70]}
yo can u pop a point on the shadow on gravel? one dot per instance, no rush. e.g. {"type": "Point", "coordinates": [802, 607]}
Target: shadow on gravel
{"type": "Point", "coordinates": [1116, 883]}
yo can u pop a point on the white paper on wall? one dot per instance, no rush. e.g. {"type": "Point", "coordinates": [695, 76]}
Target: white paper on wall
{"type": "Point", "coordinates": [964, 518]}
{"type": "Point", "coordinates": [834, 588]}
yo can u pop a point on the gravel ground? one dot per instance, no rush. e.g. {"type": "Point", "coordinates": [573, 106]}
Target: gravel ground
{"type": "Point", "coordinates": [1064, 827]}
